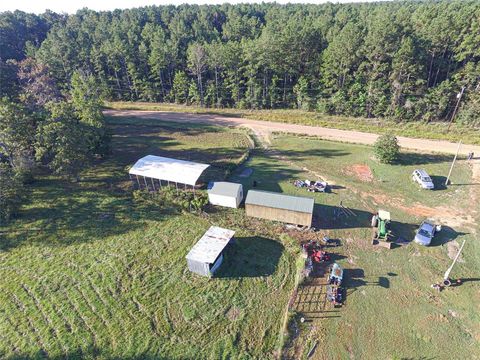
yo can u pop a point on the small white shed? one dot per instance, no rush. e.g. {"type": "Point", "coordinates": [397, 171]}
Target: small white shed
{"type": "Point", "coordinates": [206, 255]}
{"type": "Point", "coordinates": [226, 194]}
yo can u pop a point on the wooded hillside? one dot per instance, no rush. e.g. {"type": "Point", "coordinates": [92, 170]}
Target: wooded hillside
{"type": "Point", "coordinates": [406, 60]}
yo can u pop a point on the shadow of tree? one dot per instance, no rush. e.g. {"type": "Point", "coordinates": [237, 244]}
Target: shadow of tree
{"type": "Point", "coordinates": [76, 212]}
{"type": "Point", "coordinates": [411, 158]}
{"type": "Point", "coordinates": [250, 257]}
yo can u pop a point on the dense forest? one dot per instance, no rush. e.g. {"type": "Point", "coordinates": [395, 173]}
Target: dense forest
{"type": "Point", "coordinates": [404, 60]}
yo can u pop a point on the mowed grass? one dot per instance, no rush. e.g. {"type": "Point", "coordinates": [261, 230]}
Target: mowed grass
{"type": "Point", "coordinates": [391, 312]}
{"type": "Point", "coordinates": [87, 273]}
{"type": "Point", "coordinates": [415, 129]}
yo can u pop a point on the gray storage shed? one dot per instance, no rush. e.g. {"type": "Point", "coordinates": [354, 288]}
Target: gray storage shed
{"type": "Point", "coordinates": [279, 207]}
{"type": "Point", "coordinates": [206, 255]}
{"type": "Point", "coordinates": [224, 193]}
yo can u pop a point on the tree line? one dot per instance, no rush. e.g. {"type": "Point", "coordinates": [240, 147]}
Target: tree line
{"type": "Point", "coordinates": [405, 60]}
{"type": "Point", "coordinates": [43, 126]}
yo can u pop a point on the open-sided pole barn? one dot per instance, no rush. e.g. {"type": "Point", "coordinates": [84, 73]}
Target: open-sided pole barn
{"type": "Point", "coordinates": [152, 172]}
{"type": "Point", "coordinates": [279, 207]}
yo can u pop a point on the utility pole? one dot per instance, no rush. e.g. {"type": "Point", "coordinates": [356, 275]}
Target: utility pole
{"type": "Point", "coordinates": [453, 163]}
{"type": "Point", "coordinates": [459, 97]}
{"type": "Point", "coordinates": [446, 280]}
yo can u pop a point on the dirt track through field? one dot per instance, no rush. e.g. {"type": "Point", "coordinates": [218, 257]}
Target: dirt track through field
{"type": "Point", "coordinates": [265, 128]}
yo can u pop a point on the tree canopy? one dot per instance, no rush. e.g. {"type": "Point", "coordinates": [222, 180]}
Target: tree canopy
{"type": "Point", "coordinates": [406, 60]}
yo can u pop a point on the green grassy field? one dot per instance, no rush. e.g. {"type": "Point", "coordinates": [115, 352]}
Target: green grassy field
{"type": "Point", "coordinates": [86, 272]}
{"type": "Point", "coordinates": [390, 312]}
{"type": "Point", "coordinates": [436, 131]}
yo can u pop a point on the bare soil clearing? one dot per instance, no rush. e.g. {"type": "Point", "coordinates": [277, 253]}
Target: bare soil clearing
{"type": "Point", "coordinates": [360, 171]}
{"type": "Point", "coordinates": [264, 128]}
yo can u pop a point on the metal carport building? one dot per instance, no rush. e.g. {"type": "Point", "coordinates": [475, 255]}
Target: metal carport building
{"type": "Point", "coordinates": [151, 170]}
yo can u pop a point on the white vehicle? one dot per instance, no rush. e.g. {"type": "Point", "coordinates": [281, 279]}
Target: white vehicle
{"type": "Point", "coordinates": [425, 233]}
{"type": "Point", "coordinates": [420, 176]}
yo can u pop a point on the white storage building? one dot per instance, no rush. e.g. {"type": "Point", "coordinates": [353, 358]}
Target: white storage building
{"type": "Point", "coordinates": [226, 194]}
{"type": "Point", "coordinates": [206, 255]}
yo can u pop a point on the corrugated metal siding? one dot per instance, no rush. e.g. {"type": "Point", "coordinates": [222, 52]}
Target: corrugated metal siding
{"type": "Point", "coordinates": [280, 201]}
{"type": "Point", "coordinates": [198, 267]}
{"type": "Point", "coordinates": [221, 200]}
{"type": "Point", "coordinates": [286, 216]}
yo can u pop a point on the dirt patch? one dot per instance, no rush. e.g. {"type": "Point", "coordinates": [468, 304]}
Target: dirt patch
{"type": "Point", "coordinates": [442, 214]}
{"type": "Point", "coordinates": [233, 313]}
{"type": "Point", "coordinates": [360, 171]}
{"type": "Point", "coordinates": [452, 249]}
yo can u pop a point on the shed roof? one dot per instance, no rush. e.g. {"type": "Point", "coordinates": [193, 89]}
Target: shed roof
{"type": "Point", "coordinates": [224, 188]}
{"type": "Point", "coordinates": [280, 201]}
{"type": "Point", "coordinates": [162, 168]}
{"type": "Point", "coordinates": [210, 245]}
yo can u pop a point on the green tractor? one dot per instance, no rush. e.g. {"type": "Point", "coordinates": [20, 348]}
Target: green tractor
{"type": "Point", "coordinates": [381, 225]}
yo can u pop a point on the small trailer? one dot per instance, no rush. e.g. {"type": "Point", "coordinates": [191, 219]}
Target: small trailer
{"type": "Point", "coordinates": [335, 291]}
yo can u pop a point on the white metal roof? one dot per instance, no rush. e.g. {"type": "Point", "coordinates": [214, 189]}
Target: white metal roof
{"type": "Point", "coordinates": [162, 168]}
{"type": "Point", "coordinates": [225, 188]}
{"type": "Point", "coordinates": [210, 245]}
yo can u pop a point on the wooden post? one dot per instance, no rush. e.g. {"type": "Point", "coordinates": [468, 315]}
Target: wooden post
{"type": "Point", "coordinates": [145, 181]}
{"type": "Point", "coordinates": [176, 185]}
{"type": "Point", "coordinates": [453, 163]}
{"type": "Point", "coordinates": [138, 181]}
{"type": "Point", "coordinates": [153, 184]}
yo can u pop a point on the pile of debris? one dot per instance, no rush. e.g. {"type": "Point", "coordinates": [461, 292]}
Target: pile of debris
{"type": "Point", "coordinates": [314, 254]}
{"type": "Point", "coordinates": [312, 186]}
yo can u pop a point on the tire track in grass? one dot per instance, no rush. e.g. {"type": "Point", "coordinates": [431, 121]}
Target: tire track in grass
{"type": "Point", "coordinates": [37, 319]}
{"type": "Point", "coordinates": [81, 319]}
{"type": "Point", "coordinates": [106, 308]}
{"type": "Point", "coordinates": [72, 324]}
{"type": "Point", "coordinates": [31, 328]}
{"type": "Point", "coordinates": [118, 305]}
{"type": "Point", "coordinates": [52, 329]}
{"type": "Point", "coordinates": [93, 310]}
{"type": "Point", "coordinates": [8, 327]}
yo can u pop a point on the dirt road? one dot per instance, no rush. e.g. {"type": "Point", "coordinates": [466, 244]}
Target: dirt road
{"type": "Point", "coordinates": [264, 128]}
